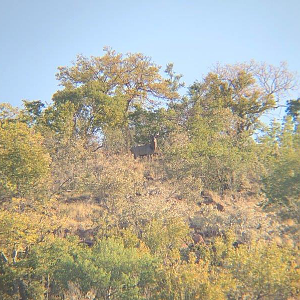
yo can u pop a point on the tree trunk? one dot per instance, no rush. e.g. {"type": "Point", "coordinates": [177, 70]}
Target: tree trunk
{"type": "Point", "coordinates": [22, 290]}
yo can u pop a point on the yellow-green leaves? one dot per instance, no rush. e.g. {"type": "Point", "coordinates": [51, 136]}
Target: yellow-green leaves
{"type": "Point", "coordinates": [24, 162]}
{"type": "Point", "coordinates": [264, 271]}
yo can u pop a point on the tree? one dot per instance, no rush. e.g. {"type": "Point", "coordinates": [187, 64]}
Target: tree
{"type": "Point", "coordinates": [217, 121]}
{"type": "Point", "coordinates": [104, 89]}
{"type": "Point", "coordinates": [8, 113]}
{"type": "Point", "coordinates": [23, 227]}
{"type": "Point", "coordinates": [24, 162]}
{"type": "Point", "coordinates": [283, 177]}
{"type": "Point", "coordinates": [208, 150]}
{"type": "Point", "coordinates": [92, 110]}
{"type": "Point", "coordinates": [109, 270]}
{"type": "Point", "coordinates": [134, 76]}
{"type": "Point", "coordinates": [263, 271]}
{"type": "Point", "coordinates": [293, 108]}
{"type": "Point", "coordinates": [248, 90]}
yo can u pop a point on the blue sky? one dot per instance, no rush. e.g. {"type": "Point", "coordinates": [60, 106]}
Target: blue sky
{"type": "Point", "coordinates": [38, 36]}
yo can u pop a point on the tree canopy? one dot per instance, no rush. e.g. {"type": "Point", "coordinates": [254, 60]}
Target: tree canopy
{"type": "Point", "coordinates": [212, 213]}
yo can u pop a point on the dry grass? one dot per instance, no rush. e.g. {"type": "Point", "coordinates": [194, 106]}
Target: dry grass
{"type": "Point", "coordinates": [129, 191]}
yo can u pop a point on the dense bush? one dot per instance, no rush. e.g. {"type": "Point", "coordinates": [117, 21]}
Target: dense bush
{"type": "Point", "coordinates": [213, 214]}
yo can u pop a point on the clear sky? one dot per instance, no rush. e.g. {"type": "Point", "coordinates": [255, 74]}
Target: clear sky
{"type": "Point", "coordinates": [37, 36]}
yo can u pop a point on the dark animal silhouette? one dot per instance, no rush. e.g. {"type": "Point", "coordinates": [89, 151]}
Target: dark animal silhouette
{"type": "Point", "coordinates": [145, 150]}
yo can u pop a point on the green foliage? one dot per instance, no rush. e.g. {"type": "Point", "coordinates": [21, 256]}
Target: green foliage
{"type": "Point", "coordinates": [293, 108]}
{"type": "Point", "coordinates": [125, 266]}
{"type": "Point", "coordinates": [166, 238]}
{"type": "Point", "coordinates": [179, 225]}
{"type": "Point", "coordinates": [190, 280]}
{"type": "Point", "coordinates": [58, 121]}
{"type": "Point", "coordinates": [22, 228]}
{"type": "Point", "coordinates": [135, 76]}
{"type": "Point", "coordinates": [32, 111]}
{"type": "Point", "coordinates": [8, 113]}
{"type": "Point", "coordinates": [237, 94]}
{"type": "Point", "coordinates": [210, 153]}
{"type": "Point", "coordinates": [115, 141]}
{"type": "Point", "coordinates": [93, 110]}
{"type": "Point", "coordinates": [213, 145]}
{"type": "Point", "coordinates": [109, 270]}
{"type": "Point", "coordinates": [24, 162]}
{"type": "Point", "coordinates": [283, 178]}
{"type": "Point", "coordinates": [264, 271]}
{"type": "Point", "coordinates": [146, 123]}
{"type": "Point", "coordinates": [258, 270]}
{"type": "Point", "coordinates": [104, 90]}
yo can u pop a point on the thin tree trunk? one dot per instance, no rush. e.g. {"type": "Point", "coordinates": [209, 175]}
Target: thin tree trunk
{"type": "Point", "coordinates": [22, 290]}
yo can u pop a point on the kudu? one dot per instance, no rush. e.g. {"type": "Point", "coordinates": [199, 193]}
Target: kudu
{"type": "Point", "coordinates": [145, 150]}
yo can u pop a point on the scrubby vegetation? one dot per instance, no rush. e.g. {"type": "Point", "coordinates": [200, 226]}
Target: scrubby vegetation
{"type": "Point", "coordinates": [212, 214]}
